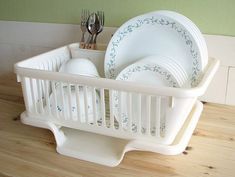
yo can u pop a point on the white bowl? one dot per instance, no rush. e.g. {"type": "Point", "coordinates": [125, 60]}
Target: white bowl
{"type": "Point", "coordinates": [95, 56]}
{"type": "Point", "coordinates": [80, 66]}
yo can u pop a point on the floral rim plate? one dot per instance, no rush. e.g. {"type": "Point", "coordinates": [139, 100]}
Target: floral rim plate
{"type": "Point", "coordinates": [150, 34]}
{"type": "Point", "coordinates": [146, 73]}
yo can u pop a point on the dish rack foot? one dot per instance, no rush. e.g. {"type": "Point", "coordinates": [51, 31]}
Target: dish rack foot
{"type": "Point", "coordinates": [108, 150]}
{"type": "Point", "coordinates": [93, 147]}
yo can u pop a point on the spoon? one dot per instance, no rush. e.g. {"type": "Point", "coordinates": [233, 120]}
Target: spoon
{"type": "Point", "coordinates": [93, 26]}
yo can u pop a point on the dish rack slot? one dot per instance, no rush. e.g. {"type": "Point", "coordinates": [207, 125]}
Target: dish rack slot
{"type": "Point", "coordinates": [81, 107]}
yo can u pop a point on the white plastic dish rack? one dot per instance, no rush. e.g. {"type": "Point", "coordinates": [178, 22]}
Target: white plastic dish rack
{"type": "Point", "coordinates": [103, 139]}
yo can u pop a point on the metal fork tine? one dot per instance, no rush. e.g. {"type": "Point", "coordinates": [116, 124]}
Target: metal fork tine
{"type": "Point", "coordinates": [83, 14]}
{"type": "Point", "coordinates": [98, 14]}
{"type": "Point", "coordinates": [84, 17]}
{"type": "Point", "coordinates": [103, 18]}
{"type": "Point", "coordinates": [100, 17]}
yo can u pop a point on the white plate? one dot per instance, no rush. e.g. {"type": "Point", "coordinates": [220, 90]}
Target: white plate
{"type": "Point", "coordinates": [173, 67]}
{"type": "Point", "coordinates": [152, 34]}
{"type": "Point", "coordinates": [152, 73]}
{"type": "Point", "coordinates": [144, 72]}
{"type": "Point", "coordinates": [197, 33]}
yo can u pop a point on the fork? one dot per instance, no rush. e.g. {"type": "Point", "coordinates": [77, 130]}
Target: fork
{"type": "Point", "coordinates": [101, 20]}
{"type": "Point", "coordinates": [84, 16]}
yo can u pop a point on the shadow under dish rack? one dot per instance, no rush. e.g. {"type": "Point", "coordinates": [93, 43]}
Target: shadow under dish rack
{"type": "Point", "coordinates": [92, 128]}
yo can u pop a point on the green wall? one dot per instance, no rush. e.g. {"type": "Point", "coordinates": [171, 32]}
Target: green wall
{"type": "Point", "coordinates": [211, 16]}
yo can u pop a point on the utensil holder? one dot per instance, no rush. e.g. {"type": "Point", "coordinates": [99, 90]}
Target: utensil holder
{"type": "Point", "coordinates": [96, 56]}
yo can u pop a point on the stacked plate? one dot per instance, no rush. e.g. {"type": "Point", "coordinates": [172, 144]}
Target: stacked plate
{"type": "Point", "coordinates": [162, 33]}
{"type": "Point", "coordinates": [154, 70]}
{"type": "Point", "coordinates": [161, 48]}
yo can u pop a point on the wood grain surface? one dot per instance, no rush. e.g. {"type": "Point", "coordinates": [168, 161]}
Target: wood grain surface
{"type": "Point", "coordinates": [27, 151]}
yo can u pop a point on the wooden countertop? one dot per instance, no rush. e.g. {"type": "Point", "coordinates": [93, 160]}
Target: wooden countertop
{"type": "Point", "coordinates": [30, 151]}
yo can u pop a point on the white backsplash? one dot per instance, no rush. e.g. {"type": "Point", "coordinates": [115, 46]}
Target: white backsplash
{"type": "Point", "coordinates": [21, 40]}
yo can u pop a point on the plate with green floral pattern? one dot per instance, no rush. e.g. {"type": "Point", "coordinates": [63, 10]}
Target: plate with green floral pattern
{"type": "Point", "coordinates": [155, 34]}
{"type": "Point", "coordinates": [149, 73]}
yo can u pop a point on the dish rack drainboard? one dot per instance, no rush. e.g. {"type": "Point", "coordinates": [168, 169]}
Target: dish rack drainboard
{"type": "Point", "coordinates": [93, 128]}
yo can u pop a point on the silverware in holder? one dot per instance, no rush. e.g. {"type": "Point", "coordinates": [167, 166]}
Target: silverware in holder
{"type": "Point", "coordinates": [93, 24]}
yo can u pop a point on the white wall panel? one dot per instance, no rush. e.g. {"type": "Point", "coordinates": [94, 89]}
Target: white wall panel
{"type": "Point", "coordinates": [216, 91]}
